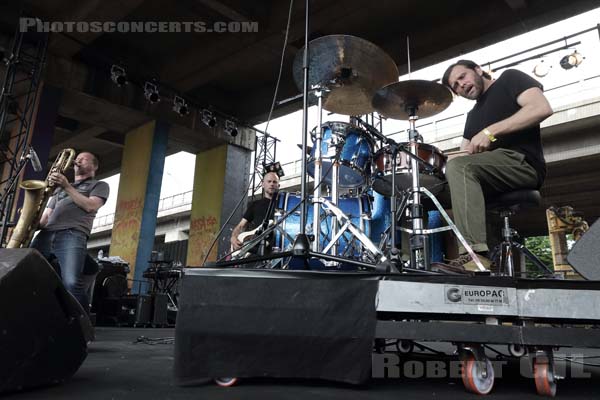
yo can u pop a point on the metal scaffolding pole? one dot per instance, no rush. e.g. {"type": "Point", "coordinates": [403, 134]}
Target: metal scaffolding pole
{"type": "Point", "coordinates": [18, 97]}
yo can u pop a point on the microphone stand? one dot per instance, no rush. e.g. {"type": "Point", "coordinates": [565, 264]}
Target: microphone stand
{"type": "Point", "coordinates": [394, 147]}
{"type": "Point", "coordinates": [6, 201]}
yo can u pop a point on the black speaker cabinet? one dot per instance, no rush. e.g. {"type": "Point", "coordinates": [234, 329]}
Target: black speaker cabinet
{"type": "Point", "coordinates": [44, 329]}
{"type": "Point", "coordinates": [143, 311]}
{"type": "Point", "coordinates": [160, 309]}
{"type": "Point", "coordinates": [584, 257]}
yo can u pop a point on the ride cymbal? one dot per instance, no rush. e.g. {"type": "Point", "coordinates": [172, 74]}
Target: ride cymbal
{"type": "Point", "coordinates": [351, 68]}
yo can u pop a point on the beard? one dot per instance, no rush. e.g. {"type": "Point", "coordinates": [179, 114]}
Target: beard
{"type": "Point", "coordinates": [477, 88]}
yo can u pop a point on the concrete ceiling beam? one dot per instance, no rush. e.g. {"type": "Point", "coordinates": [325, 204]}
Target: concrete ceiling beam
{"type": "Point", "coordinates": [67, 45]}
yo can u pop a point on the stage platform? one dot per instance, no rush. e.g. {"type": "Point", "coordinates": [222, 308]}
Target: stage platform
{"type": "Point", "coordinates": [248, 323]}
{"type": "Point", "coordinates": [117, 368]}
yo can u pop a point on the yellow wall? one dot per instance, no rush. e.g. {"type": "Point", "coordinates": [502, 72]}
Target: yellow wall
{"type": "Point", "coordinates": [207, 203]}
{"type": "Point", "coordinates": [132, 192]}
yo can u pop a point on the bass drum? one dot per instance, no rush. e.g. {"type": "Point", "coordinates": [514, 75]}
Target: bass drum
{"type": "Point", "coordinates": [358, 209]}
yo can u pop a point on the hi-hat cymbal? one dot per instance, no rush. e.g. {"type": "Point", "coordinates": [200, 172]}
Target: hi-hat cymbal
{"type": "Point", "coordinates": [422, 98]}
{"type": "Point", "coordinates": [351, 68]}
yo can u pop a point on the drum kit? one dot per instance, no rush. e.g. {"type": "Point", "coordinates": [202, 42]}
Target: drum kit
{"type": "Point", "coordinates": [351, 76]}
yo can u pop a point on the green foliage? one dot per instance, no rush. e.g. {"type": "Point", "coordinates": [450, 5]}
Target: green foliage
{"type": "Point", "coordinates": [540, 246]}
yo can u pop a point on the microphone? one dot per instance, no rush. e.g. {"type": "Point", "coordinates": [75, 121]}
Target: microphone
{"type": "Point", "coordinates": [372, 130]}
{"type": "Point", "coordinates": [35, 161]}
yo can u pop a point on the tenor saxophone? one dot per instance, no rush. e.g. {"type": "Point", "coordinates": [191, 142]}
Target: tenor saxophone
{"type": "Point", "coordinates": [37, 193]}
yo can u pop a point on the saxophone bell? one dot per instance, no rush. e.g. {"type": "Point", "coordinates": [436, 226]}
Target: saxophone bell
{"type": "Point", "coordinates": [37, 194]}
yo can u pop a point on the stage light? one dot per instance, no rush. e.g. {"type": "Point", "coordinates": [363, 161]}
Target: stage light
{"type": "Point", "coordinates": [208, 118]}
{"type": "Point", "coordinates": [230, 128]}
{"type": "Point", "coordinates": [541, 69]}
{"type": "Point", "coordinates": [180, 106]}
{"type": "Point", "coordinates": [571, 60]}
{"type": "Point", "coordinates": [273, 167]}
{"type": "Point", "coordinates": [151, 92]}
{"type": "Point", "coordinates": [118, 75]}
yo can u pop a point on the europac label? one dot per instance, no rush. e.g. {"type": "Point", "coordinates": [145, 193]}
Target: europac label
{"type": "Point", "coordinates": [476, 295]}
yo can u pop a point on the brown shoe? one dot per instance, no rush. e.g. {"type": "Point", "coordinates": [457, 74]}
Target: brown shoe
{"type": "Point", "coordinates": [465, 261]}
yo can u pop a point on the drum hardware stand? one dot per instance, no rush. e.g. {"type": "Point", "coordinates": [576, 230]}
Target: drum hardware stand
{"type": "Point", "coordinates": [451, 226]}
{"type": "Point", "coordinates": [341, 218]}
{"type": "Point", "coordinates": [318, 92]}
{"type": "Point", "coordinates": [394, 253]}
{"type": "Point", "coordinates": [419, 242]}
{"type": "Point", "coordinates": [301, 246]}
{"type": "Point", "coordinates": [346, 224]}
{"type": "Point", "coordinates": [420, 258]}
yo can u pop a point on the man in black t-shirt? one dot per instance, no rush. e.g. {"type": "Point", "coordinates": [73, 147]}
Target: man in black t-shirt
{"type": "Point", "coordinates": [256, 212]}
{"type": "Point", "coordinates": [67, 222]}
{"type": "Point", "coordinates": [502, 138]}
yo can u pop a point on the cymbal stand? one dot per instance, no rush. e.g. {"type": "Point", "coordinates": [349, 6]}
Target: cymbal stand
{"type": "Point", "coordinates": [420, 257]}
{"type": "Point", "coordinates": [419, 249]}
{"type": "Point", "coordinates": [394, 253]}
{"type": "Point", "coordinates": [451, 226]}
{"type": "Point", "coordinates": [347, 224]}
{"type": "Point", "coordinates": [335, 169]}
{"type": "Point", "coordinates": [318, 92]}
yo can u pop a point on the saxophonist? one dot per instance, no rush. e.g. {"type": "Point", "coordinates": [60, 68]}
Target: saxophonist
{"type": "Point", "coordinates": [67, 221]}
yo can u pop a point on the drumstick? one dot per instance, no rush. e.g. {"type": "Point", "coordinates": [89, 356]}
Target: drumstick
{"type": "Point", "coordinates": [456, 153]}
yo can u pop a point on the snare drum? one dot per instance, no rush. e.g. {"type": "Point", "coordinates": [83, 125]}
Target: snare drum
{"type": "Point", "coordinates": [351, 146]}
{"type": "Point", "coordinates": [382, 180]}
{"type": "Point", "coordinates": [358, 209]}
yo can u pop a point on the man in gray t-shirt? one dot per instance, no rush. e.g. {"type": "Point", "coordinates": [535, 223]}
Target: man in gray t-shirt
{"type": "Point", "coordinates": [67, 221]}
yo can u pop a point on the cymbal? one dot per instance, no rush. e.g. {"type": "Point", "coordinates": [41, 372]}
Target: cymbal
{"type": "Point", "coordinates": [308, 148]}
{"type": "Point", "coordinates": [350, 67]}
{"type": "Point", "coordinates": [425, 98]}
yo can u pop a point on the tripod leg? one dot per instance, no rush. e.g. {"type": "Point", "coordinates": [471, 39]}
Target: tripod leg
{"type": "Point", "coordinates": [506, 258]}
{"type": "Point", "coordinates": [533, 258]}
{"type": "Point", "coordinates": [348, 225]}
{"type": "Point", "coordinates": [459, 235]}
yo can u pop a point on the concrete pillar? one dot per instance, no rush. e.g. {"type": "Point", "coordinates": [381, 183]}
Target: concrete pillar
{"type": "Point", "coordinates": [138, 197]}
{"type": "Point", "coordinates": [220, 182]}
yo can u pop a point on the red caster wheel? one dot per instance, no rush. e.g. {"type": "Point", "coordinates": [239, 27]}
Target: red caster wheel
{"type": "Point", "coordinates": [477, 376]}
{"type": "Point", "coordinates": [545, 380]}
{"type": "Point", "coordinates": [226, 382]}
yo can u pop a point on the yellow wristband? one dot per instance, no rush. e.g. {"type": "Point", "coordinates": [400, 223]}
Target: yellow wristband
{"type": "Point", "coordinates": [489, 135]}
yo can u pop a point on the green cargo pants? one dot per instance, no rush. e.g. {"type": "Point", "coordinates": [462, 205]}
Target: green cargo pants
{"type": "Point", "coordinates": [475, 177]}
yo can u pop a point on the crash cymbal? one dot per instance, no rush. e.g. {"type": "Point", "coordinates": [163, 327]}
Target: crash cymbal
{"type": "Point", "coordinates": [350, 67]}
{"type": "Point", "coordinates": [426, 98]}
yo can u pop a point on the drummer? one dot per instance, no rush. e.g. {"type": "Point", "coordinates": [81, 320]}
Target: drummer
{"type": "Point", "coordinates": [502, 139]}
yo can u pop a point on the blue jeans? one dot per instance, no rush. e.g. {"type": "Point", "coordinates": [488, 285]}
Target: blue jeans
{"type": "Point", "coordinates": [69, 246]}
